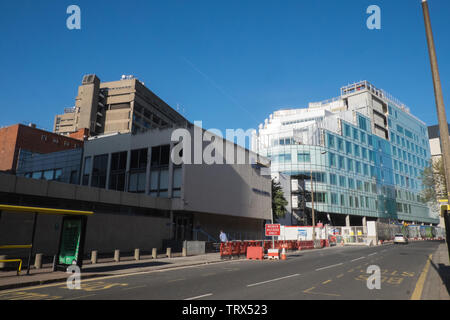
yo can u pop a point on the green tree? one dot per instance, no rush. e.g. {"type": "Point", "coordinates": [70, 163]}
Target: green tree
{"type": "Point", "coordinates": [279, 202]}
{"type": "Point", "coordinates": [433, 179]}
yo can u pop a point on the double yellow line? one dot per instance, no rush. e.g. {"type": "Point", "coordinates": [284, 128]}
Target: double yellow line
{"type": "Point", "coordinates": [417, 294]}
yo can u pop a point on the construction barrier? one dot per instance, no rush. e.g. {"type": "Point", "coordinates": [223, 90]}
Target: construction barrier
{"type": "Point", "coordinates": [255, 253]}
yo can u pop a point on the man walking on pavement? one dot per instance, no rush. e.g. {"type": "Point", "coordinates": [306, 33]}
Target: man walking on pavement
{"type": "Point", "coordinates": [223, 236]}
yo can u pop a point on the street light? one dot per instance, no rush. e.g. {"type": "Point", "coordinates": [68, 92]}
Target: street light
{"type": "Point", "coordinates": [440, 107]}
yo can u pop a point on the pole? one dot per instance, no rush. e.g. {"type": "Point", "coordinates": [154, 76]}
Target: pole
{"type": "Point", "coordinates": [439, 97]}
{"type": "Point", "coordinates": [30, 254]}
{"type": "Point", "coordinates": [312, 209]}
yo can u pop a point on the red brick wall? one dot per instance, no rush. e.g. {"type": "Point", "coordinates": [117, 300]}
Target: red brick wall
{"type": "Point", "coordinates": [8, 138]}
{"type": "Point", "coordinates": [31, 139]}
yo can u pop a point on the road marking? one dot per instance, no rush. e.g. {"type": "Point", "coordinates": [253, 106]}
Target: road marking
{"type": "Point", "coordinates": [417, 294]}
{"type": "Point", "coordinates": [325, 282]}
{"type": "Point", "coordinates": [255, 284]}
{"type": "Point", "coordinates": [176, 280]}
{"type": "Point", "coordinates": [198, 297]}
{"type": "Point", "coordinates": [334, 265]}
{"type": "Point", "coordinates": [309, 291]}
{"type": "Point", "coordinates": [81, 297]}
{"type": "Point", "coordinates": [340, 275]}
{"type": "Point", "coordinates": [372, 254]}
{"type": "Point", "coordinates": [358, 259]}
{"type": "Point", "coordinates": [137, 287]}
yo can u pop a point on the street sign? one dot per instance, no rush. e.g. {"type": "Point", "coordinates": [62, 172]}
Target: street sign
{"type": "Point", "coordinates": [273, 230]}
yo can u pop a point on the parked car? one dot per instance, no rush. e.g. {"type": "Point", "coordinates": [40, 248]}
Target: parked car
{"type": "Point", "coordinates": [400, 238]}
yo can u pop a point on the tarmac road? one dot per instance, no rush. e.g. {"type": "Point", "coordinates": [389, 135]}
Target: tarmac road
{"type": "Point", "coordinates": [331, 273]}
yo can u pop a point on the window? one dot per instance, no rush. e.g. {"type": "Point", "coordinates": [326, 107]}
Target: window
{"type": "Point", "coordinates": [341, 162]}
{"type": "Point", "coordinates": [364, 152]}
{"type": "Point", "coordinates": [362, 123]}
{"type": "Point", "coordinates": [340, 144]}
{"type": "Point", "coordinates": [333, 179]}
{"type": "Point", "coordinates": [177, 181]}
{"type": "Point", "coordinates": [58, 175]}
{"type": "Point", "coordinates": [138, 167]}
{"type": "Point", "coordinates": [351, 183]}
{"type": "Point", "coordinates": [159, 172]}
{"type": "Point", "coordinates": [320, 197]}
{"type": "Point", "coordinates": [348, 147]}
{"type": "Point", "coordinates": [355, 134]}
{"type": "Point", "coordinates": [331, 159]}
{"type": "Point", "coordinates": [347, 130]}
{"type": "Point", "coordinates": [356, 148]}
{"type": "Point", "coordinates": [36, 175]}
{"type": "Point", "coordinates": [342, 182]}
{"type": "Point", "coordinates": [359, 185]}
{"type": "Point", "coordinates": [330, 141]}
{"type": "Point", "coordinates": [334, 198]}
{"type": "Point", "coordinates": [342, 200]}
{"type": "Point", "coordinates": [358, 166]}
{"type": "Point", "coordinates": [99, 171]}
{"type": "Point", "coordinates": [87, 171]}
{"type": "Point", "coordinates": [366, 169]}
{"type": "Point", "coordinates": [303, 157]}
{"type": "Point", "coordinates": [349, 164]}
{"type": "Point", "coordinates": [363, 137]}
{"type": "Point", "coordinates": [117, 174]}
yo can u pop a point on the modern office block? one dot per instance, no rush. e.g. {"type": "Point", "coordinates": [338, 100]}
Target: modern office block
{"type": "Point", "coordinates": [364, 149]}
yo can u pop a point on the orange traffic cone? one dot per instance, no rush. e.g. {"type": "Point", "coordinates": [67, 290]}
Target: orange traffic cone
{"type": "Point", "coordinates": [283, 254]}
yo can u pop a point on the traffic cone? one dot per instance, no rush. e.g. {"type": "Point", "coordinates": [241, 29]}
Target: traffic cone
{"type": "Point", "coordinates": [283, 254]}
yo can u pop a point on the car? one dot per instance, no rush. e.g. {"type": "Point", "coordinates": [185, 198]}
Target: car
{"type": "Point", "coordinates": [400, 238]}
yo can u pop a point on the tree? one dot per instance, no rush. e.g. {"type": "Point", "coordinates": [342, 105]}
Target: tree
{"type": "Point", "coordinates": [279, 203]}
{"type": "Point", "coordinates": [434, 182]}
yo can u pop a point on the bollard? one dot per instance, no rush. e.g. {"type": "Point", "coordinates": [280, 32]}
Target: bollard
{"type": "Point", "coordinates": [38, 261]}
{"type": "Point", "coordinates": [169, 252]}
{"type": "Point", "coordinates": [184, 253]}
{"type": "Point", "coordinates": [154, 253]}
{"type": "Point", "coordinates": [117, 255]}
{"type": "Point", "coordinates": [94, 256]}
{"type": "Point", "coordinates": [137, 254]}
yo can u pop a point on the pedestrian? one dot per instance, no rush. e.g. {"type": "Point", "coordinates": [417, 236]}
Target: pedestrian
{"type": "Point", "coordinates": [223, 236]}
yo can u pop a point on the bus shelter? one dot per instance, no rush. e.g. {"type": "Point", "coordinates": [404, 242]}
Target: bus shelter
{"type": "Point", "coordinates": [72, 234]}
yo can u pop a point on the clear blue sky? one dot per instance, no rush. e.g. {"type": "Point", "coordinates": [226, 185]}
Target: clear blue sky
{"type": "Point", "coordinates": [228, 63]}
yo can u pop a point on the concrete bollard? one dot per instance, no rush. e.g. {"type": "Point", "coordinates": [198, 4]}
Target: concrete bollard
{"type": "Point", "coordinates": [3, 264]}
{"type": "Point", "coordinates": [117, 255]}
{"type": "Point", "coordinates": [137, 254]}
{"type": "Point", "coordinates": [154, 253]}
{"type": "Point", "coordinates": [94, 256]}
{"type": "Point", "coordinates": [38, 261]}
{"type": "Point", "coordinates": [169, 252]}
{"type": "Point", "coordinates": [184, 252]}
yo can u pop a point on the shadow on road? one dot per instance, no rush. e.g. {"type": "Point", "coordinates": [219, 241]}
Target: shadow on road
{"type": "Point", "coordinates": [444, 272]}
{"type": "Point", "coordinates": [122, 267]}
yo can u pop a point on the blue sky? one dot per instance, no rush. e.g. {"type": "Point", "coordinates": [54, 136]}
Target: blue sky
{"type": "Point", "coordinates": [227, 63]}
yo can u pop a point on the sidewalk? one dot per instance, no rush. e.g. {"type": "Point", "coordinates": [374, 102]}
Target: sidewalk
{"type": "Point", "coordinates": [107, 267]}
{"type": "Point", "coordinates": [10, 280]}
{"type": "Point", "coordinates": [437, 285]}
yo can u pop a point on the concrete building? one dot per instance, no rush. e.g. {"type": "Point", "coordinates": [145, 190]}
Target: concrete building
{"type": "Point", "coordinates": [364, 150]}
{"type": "Point", "coordinates": [117, 106]}
{"type": "Point", "coordinates": [17, 138]}
{"type": "Point", "coordinates": [141, 199]}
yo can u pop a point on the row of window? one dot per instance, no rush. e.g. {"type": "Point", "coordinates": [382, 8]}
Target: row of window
{"type": "Point", "coordinates": [137, 177]}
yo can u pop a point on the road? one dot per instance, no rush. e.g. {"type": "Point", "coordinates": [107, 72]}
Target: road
{"type": "Point", "coordinates": [331, 273]}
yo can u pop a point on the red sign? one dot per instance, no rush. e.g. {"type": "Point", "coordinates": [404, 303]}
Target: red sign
{"type": "Point", "coordinates": [273, 229]}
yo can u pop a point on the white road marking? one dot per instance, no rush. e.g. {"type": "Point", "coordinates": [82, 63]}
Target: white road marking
{"type": "Point", "coordinates": [372, 254]}
{"type": "Point", "coordinates": [358, 259]}
{"type": "Point", "coordinates": [198, 297]}
{"type": "Point", "coordinates": [334, 265]}
{"type": "Point", "coordinates": [255, 284]}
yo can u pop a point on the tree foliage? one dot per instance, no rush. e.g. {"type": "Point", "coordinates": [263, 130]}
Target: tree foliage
{"type": "Point", "coordinates": [279, 202]}
{"type": "Point", "coordinates": [434, 182]}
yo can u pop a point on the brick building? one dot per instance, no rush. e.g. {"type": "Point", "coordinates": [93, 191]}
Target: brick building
{"type": "Point", "coordinates": [21, 137]}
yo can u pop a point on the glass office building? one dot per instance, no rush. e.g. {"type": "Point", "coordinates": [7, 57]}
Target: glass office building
{"type": "Point", "coordinates": [365, 151]}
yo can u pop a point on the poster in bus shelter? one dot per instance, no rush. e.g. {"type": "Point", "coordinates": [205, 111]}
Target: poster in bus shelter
{"type": "Point", "coordinates": [71, 241]}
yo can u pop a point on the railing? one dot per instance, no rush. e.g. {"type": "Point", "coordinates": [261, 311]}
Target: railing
{"type": "Point", "coordinates": [15, 246]}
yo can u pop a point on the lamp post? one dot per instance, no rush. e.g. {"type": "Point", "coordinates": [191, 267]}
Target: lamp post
{"type": "Point", "coordinates": [440, 107]}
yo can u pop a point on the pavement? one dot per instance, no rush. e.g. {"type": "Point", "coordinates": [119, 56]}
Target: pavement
{"type": "Point", "coordinates": [329, 273]}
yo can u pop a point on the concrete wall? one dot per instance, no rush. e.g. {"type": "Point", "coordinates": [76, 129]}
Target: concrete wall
{"type": "Point", "coordinates": [105, 232]}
